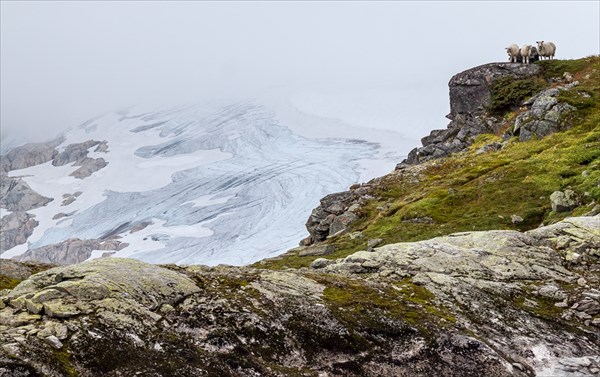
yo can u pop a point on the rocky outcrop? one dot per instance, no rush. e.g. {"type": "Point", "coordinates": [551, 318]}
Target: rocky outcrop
{"type": "Point", "coordinates": [545, 116]}
{"type": "Point", "coordinates": [335, 213]}
{"type": "Point", "coordinates": [29, 155]}
{"type": "Point", "coordinates": [470, 90]}
{"type": "Point", "coordinates": [74, 153]}
{"type": "Point", "coordinates": [88, 166]}
{"type": "Point", "coordinates": [17, 196]}
{"type": "Point", "coordinates": [470, 96]}
{"type": "Point", "coordinates": [69, 251]}
{"type": "Point", "coordinates": [496, 303]}
{"type": "Point", "coordinates": [16, 228]}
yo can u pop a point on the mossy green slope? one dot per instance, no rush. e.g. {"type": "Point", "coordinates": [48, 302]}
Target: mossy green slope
{"type": "Point", "coordinates": [482, 191]}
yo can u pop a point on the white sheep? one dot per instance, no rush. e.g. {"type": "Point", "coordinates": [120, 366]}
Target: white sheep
{"type": "Point", "coordinates": [513, 53]}
{"type": "Point", "coordinates": [525, 53]}
{"type": "Point", "coordinates": [546, 49]}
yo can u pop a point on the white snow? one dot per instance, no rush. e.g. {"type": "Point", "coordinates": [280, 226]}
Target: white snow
{"type": "Point", "coordinates": [207, 200]}
{"type": "Point", "coordinates": [4, 212]}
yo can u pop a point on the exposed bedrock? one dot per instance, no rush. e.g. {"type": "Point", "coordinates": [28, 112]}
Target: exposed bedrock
{"type": "Point", "coordinates": [29, 155]}
{"type": "Point", "coordinates": [70, 251]}
{"type": "Point", "coordinates": [494, 303]}
{"type": "Point", "coordinates": [17, 196]}
{"type": "Point", "coordinates": [16, 228]}
{"type": "Point", "coordinates": [470, 96]}
{"type": "Point", "coordinates": [74, 153]}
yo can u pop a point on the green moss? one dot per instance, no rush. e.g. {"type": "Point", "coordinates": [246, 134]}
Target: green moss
{"type": "Point", "coordinates": [378, 308]}
{"type": "Point", "coordinates": [508, 92]}
{"type": "Point", "coordinates": [8, 283]}
{"type": "Point", "coordinates": [63, 357]}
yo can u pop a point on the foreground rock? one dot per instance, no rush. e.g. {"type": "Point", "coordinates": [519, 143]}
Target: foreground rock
{"type": "Point", "coordinates": [498, 303]}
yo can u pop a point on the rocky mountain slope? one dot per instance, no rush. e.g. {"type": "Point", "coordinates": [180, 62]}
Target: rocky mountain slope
{"type": "Point", "coordinates": [482, 260]}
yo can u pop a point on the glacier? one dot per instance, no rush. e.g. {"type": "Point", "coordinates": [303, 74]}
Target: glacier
{"type": "Point", "coordinates": [219, 182]}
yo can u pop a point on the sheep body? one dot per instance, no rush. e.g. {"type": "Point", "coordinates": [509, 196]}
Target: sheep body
{"type": "Point", "coordinates": [525, 53]}
{"type": "Point", "coordinates": [513, 53]}
{"type": "Point", "coordinates": [546, 49]}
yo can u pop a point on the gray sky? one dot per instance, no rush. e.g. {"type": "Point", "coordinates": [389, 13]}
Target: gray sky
{"type": "Point", "coordinates": [64, 62]}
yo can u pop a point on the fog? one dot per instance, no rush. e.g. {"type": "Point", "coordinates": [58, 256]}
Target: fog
{"type": "Point", "coordinates": [64, 62]}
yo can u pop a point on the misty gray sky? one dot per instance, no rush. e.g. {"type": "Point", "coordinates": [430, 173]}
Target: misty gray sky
{"type": "Point", "coordinates": [64, 62]}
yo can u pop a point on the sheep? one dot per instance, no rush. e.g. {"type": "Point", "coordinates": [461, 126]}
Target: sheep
{"type": "Point", "coordinates": [525, 53]}
{"type": "Point", "coordinates": [513, 53]}
{"type": "Point", "coordinates": [546, 49]}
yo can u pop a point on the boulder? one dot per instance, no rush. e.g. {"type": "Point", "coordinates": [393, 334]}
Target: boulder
{"type": "Point", "coordinates": [546, 116]}
{"type": "Point", "coordinates": [335, 214]}
{"type": "Point", "coordinates": [564, 201]}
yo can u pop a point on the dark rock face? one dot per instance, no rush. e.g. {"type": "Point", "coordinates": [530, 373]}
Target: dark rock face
{"type": "Point", "coordinates": [21, 271]}
{"type": "Point", "coordinates": [469, 96]}
{"type": "Point", "coordinates": [470, 90]}
{"type": "Point", "coordinates": [335, 213]}
{"type": "Point", "coordinates": [17, 197]}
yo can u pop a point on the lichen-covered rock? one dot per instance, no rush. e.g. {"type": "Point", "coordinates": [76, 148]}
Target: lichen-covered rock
{"type": "Point", "coordinates": [564, 201]}
{"type": "Point", "coordinates": [546, 116]}
{"type": "Point", "coordinates": [316, 250]}
{"type": "Point", "coordinates": [495, 303]}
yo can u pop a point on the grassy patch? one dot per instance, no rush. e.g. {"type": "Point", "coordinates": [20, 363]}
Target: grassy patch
{"type": "Point", "coordinates": [63, 357]}
{"type": "Point", "coordinates": [8, 283]}
{"type": "Point", "coordinates": [508, 92]}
